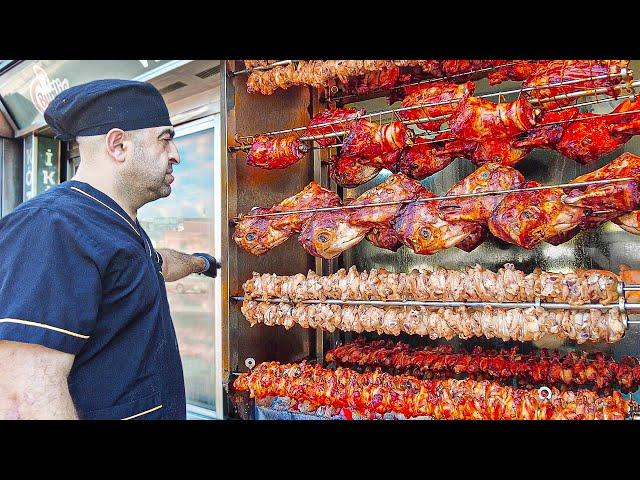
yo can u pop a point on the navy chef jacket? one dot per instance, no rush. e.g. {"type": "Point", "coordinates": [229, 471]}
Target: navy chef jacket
{"type": "Point", "coordinates": [78, 275]}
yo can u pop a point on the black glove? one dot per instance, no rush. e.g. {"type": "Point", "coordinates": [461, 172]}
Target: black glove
{"type": "Point", "coordinates": [211, 265]}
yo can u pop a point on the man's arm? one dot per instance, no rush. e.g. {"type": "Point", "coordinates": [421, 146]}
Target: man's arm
{"type": "Point", "coordinates": [33, 382]}
{"type": "Point", "coordinates": [177, 265]}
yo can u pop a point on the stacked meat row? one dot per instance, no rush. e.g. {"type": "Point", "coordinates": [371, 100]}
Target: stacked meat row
{"type": "Point", "coordinates": [364, 76]}
{"type": "Point", "coordinates": [504, 366]}
{"type": "Point", "coordinates": [398, 211]}
{"type": "Point", "coordinates": [438, 399]}
{"type": "Point", "coordinates": [521, 324]}
{"type": "Point", "coordinates": [479, 130]}
{"type": "Point", "coordinates": [471, 284]}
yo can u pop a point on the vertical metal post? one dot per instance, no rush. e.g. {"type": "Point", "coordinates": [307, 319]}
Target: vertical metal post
{"type": "Point", "coordinates": [221, 252]}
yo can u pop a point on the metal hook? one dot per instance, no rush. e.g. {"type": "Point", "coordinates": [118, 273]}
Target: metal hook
{"type": "Point", "coordinates": [545, 394]}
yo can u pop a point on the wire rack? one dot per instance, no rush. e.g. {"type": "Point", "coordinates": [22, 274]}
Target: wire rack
{"type": "Point", "coordinates": [245, 141]}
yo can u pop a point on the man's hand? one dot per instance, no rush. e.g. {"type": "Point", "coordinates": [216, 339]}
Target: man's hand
{"type": "Point", "coordinates": [177, 265]}
{"type": "Point", "coordinates": [211, 267]}
{"type": "Point", "coordinates": [33, 382]}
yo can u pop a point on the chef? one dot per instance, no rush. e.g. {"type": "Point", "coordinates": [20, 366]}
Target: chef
{"type": "Point", "coordinates": [85, 327]}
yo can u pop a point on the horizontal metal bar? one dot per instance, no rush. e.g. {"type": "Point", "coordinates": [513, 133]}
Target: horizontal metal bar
{"type": "Point", "coordinates": [445, 303]}
{"type": "Point", "coordinates": [572, 95]}
{"type": "Point", "coordinates": [264, 67]}
{"type": "Point", "coordinates": [631, 289]}
{"type": "Point", "coordinates": [444, 197]}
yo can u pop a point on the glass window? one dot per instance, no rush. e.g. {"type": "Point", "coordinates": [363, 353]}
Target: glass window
{"type": "Point", "coordinates": [184, 222]}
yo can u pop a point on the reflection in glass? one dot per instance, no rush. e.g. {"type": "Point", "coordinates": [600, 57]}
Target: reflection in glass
{"type": "Point", "coordinates": [184, 222]}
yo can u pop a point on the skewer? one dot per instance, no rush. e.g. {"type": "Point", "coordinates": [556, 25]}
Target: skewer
{"type": "Point", "coordinates": [444, 197]}
{"type": "Point", "coordinates": [448, 303]}
{"type": "Point", "coordinates": [582, 93]}
{"type": "Point", "coordinates": [263, 67]}
{"type": "Point", "coordinates": [624, 73]}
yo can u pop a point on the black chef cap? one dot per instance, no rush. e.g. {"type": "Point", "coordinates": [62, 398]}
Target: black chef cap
{"type": "Point", "coordinates": [96, 107]}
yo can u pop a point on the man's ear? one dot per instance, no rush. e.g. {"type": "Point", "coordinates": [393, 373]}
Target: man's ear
{"type": "Point", "coordinates": [115, 139]}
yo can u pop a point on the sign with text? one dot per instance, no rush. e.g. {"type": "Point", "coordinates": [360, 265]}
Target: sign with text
{"type": "Point", "coordinates": [41, 165]}
{"type": "Point", "coordinates": [28, 88]}
{"type": "Point", "coordinates": [48, 165]}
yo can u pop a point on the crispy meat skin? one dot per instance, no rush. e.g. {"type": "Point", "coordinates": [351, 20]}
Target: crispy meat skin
{"type": "Point", "coordinates": [272, 153]}
{"type": "Point", "coordinates": [342, 115]}
{"type": "Point", "coordinates": [380, 392]}
{"type": "Point", "coordinates": [422, 230]}
{"type": "Point", "coordinates": [434, 94]}
{"type": "Point", "coordinates": [529, 369]}
{"type": "Point", "coordinates": [478, 119]}
{"type": "Point", "coordinates": [489, 177]}
{"type": "Point", "coordinates": [558, 71]}
{"type": "Point", "coordinates": [529, 218]}
{"type": "Point", "coordinates": [370, 140]}
{"type": "Point", "coordinates": [350, 172]}
{"type": "Point", "coordinates": [424, 159]}
{"type": "Point", "coordinates": [258, 235]}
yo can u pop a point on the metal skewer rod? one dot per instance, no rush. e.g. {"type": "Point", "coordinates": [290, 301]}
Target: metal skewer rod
{"type": "Point", "coordinates": [624, 73]}
{"type": "Point", "coordinates": [447, 303]}
{"type": "Point", "coordinates": [264, 67]}
{"type": "Point", "coordinates": [558, 122]}
{"type": "Point", "coordinates": [445, 197]}
{"type": "Point", "coordinates": [568, 96]}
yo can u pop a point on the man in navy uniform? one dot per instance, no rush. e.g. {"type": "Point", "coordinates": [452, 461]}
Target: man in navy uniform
{"type": "Point", "coordinates": [85, 328]}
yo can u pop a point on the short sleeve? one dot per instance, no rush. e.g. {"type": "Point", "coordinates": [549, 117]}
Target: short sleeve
{"type": "Point", "coordinates": [50, 284]}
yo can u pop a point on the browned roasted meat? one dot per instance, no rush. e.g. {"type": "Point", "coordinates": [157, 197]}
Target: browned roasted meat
{"type": "Point", "coordinates": [258, 235]}
{"type": "Point", "coordinates": [348, 172]}
{"type": "Point", "coordinates": [517, 70]}
{"type": "Point", "coordinates": [589, 138]}
{"type": "Point", "coordinates": [424, 159]}
{"type": "Point", "coordinates": [348, 392]}
{"type": "Point", "coordinates": [501, 150]}
{"type": "Point", "coordinates": [438, 100]}
{"type": "Point", "coordinates": [386, 238]}
{"type": "Point", "coordinates": [548, 132]}
{"type": "Point", "coordinates": [487, 178]}
{"type": "Point", "coordinates": [560, 77]}
{"type": "Point", "coordinates": [338, 119]}
{"type": "Point", "coordinates": [528, 369]}
{"type": "Point", "coordinates": [528, 218]}
{"type": "Point", "coordinates": [621, 197]}
{"type": "Point", "coordinates": [328, 234]}
{"type": "Point", "coordinates": [396, 188]}
{"type": "Point", "coordinates": [273, 153]}
{"type": "Point", "coordinates": [480, 120]}
{"type": "Point", "coordinates": [629, 222]}
{"type": "Point", "coordinates": [369, 140]}
{"type": "Point", "coordinates": [422, 230]}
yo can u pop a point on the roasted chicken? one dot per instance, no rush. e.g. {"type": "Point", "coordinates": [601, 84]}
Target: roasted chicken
{"type": "Point", "coordinates": [338, 119]}
{"type": "Point", "coordinates": [529, 218]}
{"type": "Point", "coordinates": [528, 369]}
{"type": "Point", "coordinates": [438, 100]}
{"type": "Point", "coordinates": [424, 232]}
{"type": "Point", "coordinates": [258, 235]}
{"type": "Point", "coordinates": [621, 197]}
{"type": "Point", "coordinates": [551, 79]}
{"type": "Point", "coordinates": [521, 324]}
{"type": "Point", "coordinates": [349, 172]}
{"type": "Point", "coordinates": [271, 153]}
{"type": "Point", "coordinates": [487, 178]}
{"type": "Point", "coordinates": [424, 159]}
{"type": "Point", "coordinates": [480, 120]}
{"type": "Point", "coordinates": [379, 392]}
{"type": "Point", "coordinates": [370, 140]}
